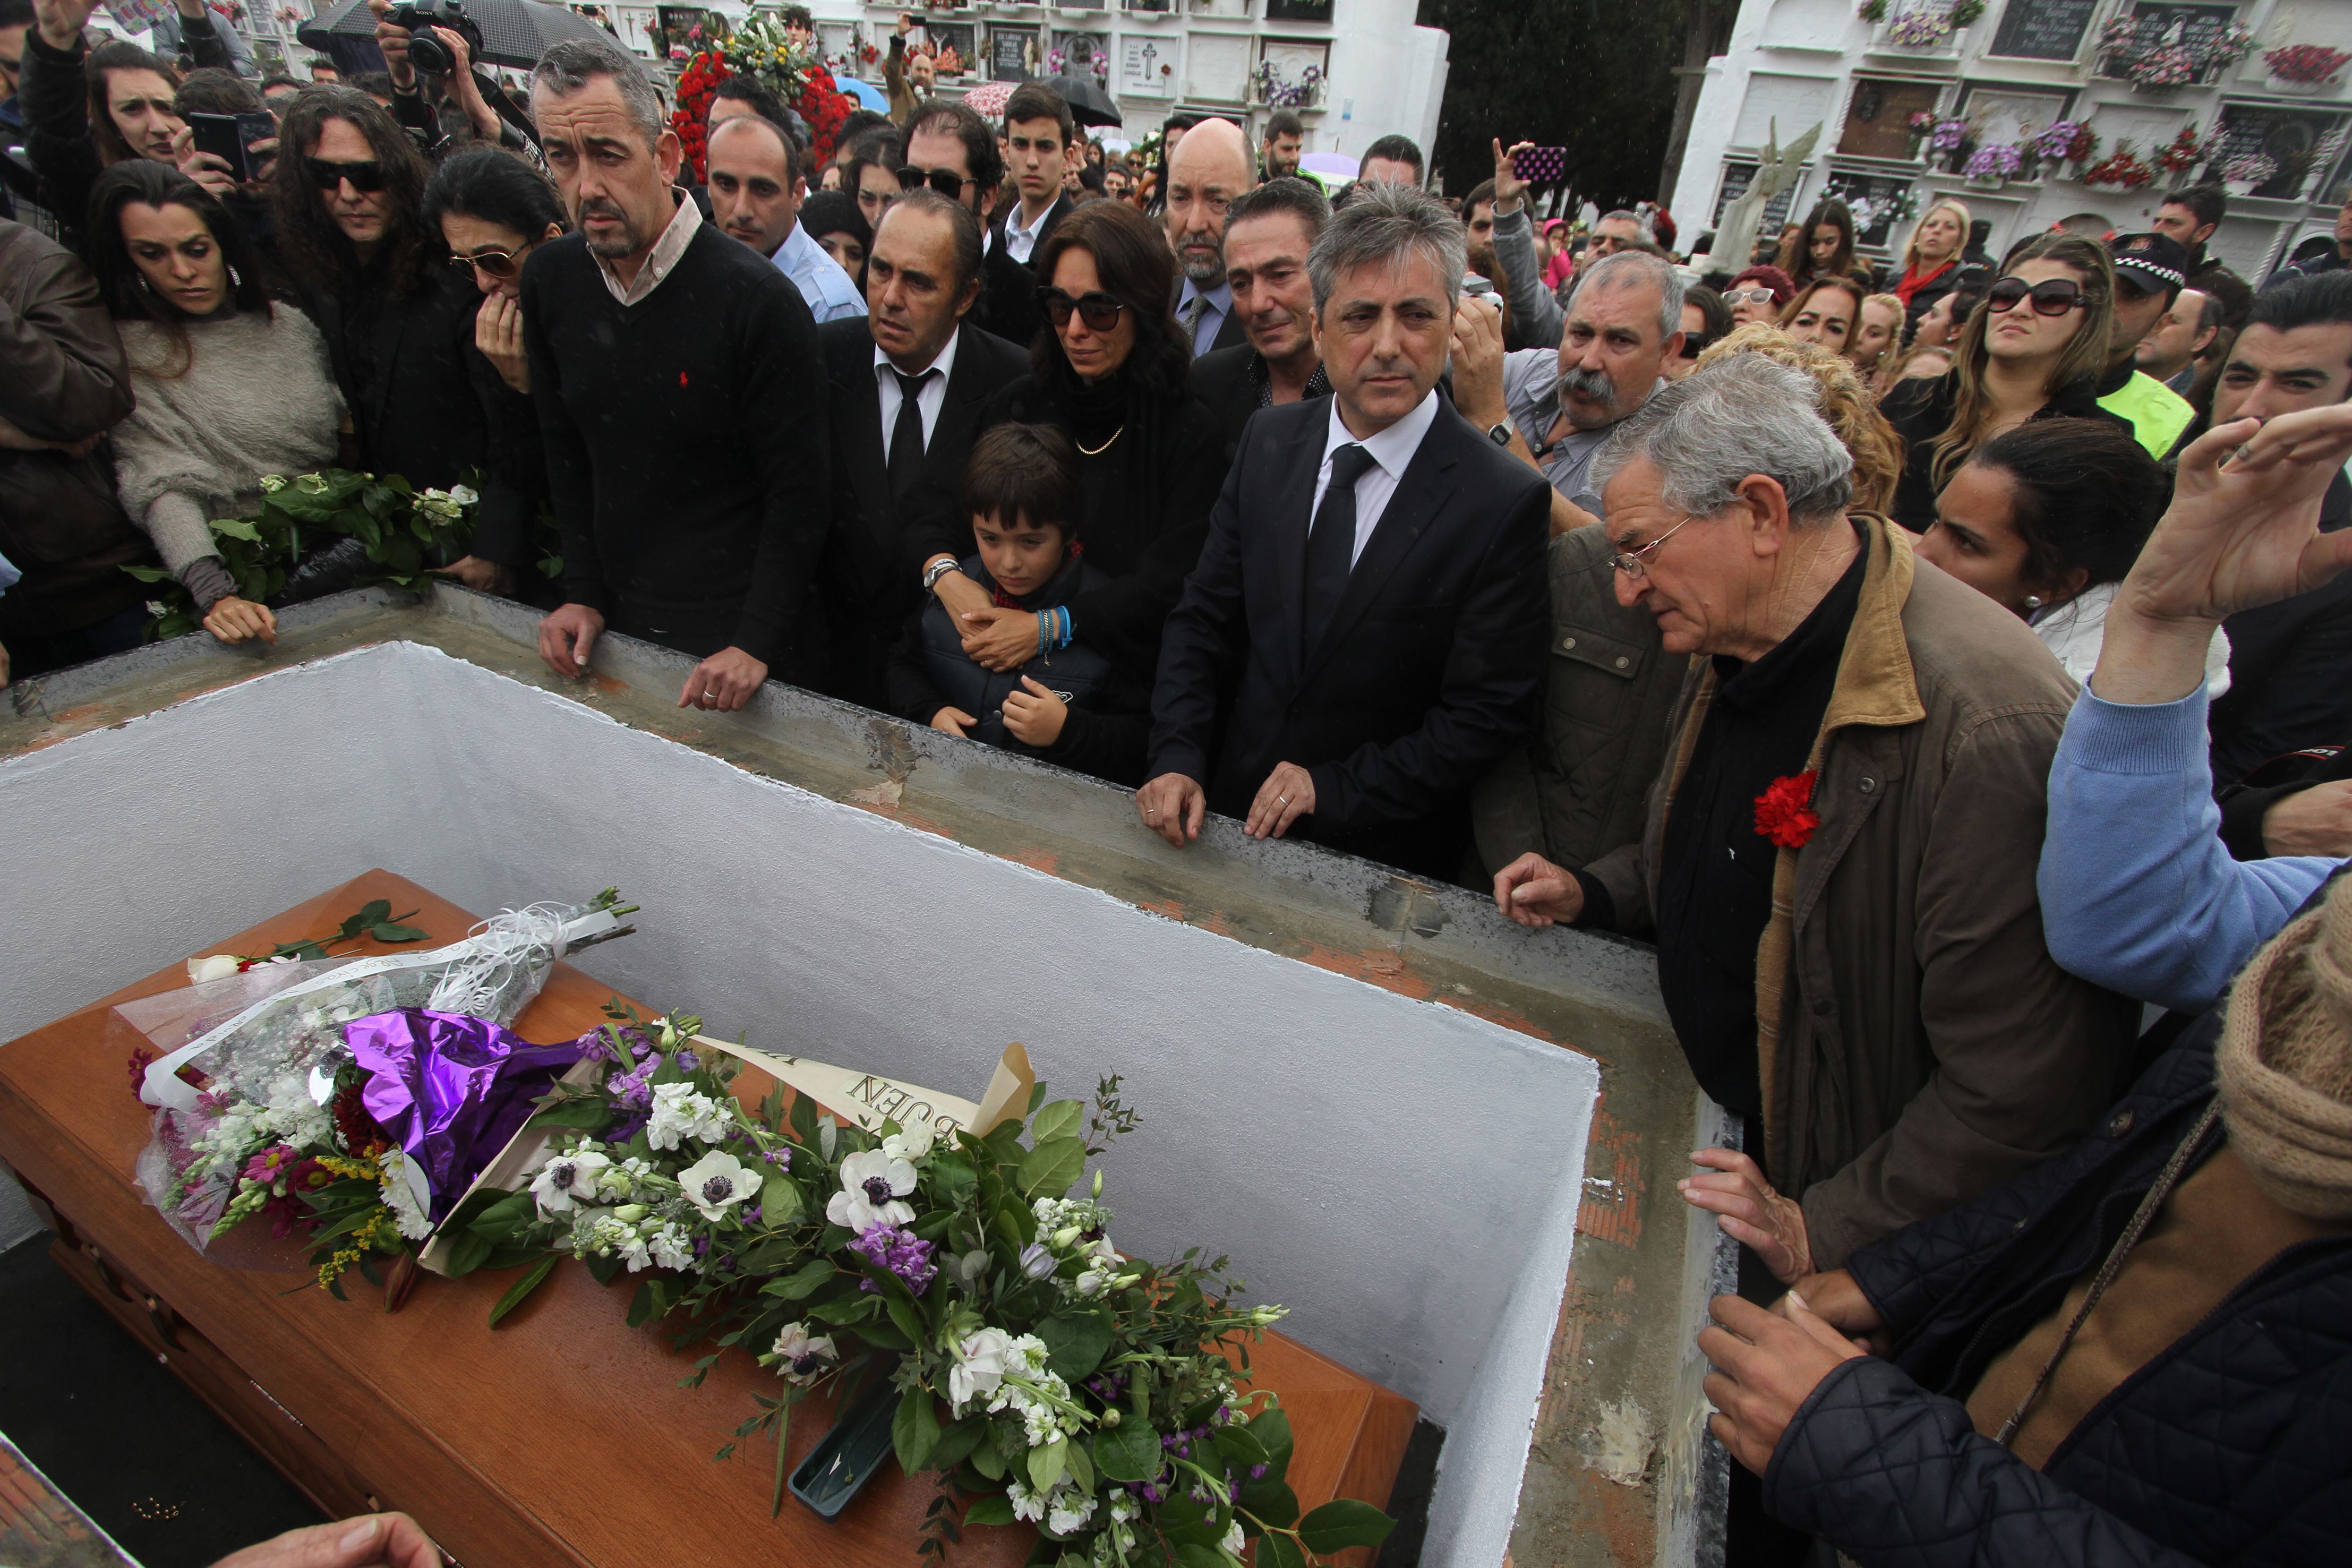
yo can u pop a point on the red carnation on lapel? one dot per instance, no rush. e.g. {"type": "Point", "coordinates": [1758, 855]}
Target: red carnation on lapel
{"type": "Point", "coordinates": [1784, 813]}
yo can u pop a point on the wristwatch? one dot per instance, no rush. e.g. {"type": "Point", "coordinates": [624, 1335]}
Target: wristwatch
{"type": "Point", "coordinates": [1501, 434]}
{"type": "Point", "coordinates": [939, 569]}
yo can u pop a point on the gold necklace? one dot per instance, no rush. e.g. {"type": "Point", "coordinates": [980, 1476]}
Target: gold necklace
{"type": "Point", "coordinates": [1097, 451]}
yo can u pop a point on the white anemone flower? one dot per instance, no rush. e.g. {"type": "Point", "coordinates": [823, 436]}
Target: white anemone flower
{"type": "Point", "coordinates": [717, 1180]}
{"type": "Point", "coordinates": [872, 1186]}
{"type": "Point", "coordinates": [568, 1181]}
{"type": "Point", "coordinates": [804, 1357]}
{"type": "Point", "coordinates": [978, 1368]}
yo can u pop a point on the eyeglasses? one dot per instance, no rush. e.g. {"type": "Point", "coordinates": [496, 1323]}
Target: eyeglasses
{"type": "Point", "coordinates": [2052, 297]}
{"type": "Point", "coordinates": [1635, 563]}
{"type": "Point", "coordinates": [499, 264]}
{"type": "Point", "coordinates": [367, 176]}
{"type": "Point", "coordinates": [1695, 344]}
{"type": "Point", "coordinates": [1097, 309]}
{"type": "Point", "coordinates": [946, 182]}
{"type": "Point", "coordinates": [1748, 297]}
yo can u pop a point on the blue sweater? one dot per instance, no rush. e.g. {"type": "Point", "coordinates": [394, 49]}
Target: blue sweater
{"type": "Point", "coordinates": [2138, 892]}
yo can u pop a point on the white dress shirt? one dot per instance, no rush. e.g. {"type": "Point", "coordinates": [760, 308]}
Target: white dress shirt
{"type": "Point", "coordinates": [831, 292]}
{"type": "Point", "coordinates": [1212, 319]}
{"type": "Point", "coordinates": [667, 250]}
{"type": "Point", "coordinates": [1390, 452]}
{"type": "Point", "coordinates": [1021, 243]}
{"type": "Point", "coordinates": [927, 404]}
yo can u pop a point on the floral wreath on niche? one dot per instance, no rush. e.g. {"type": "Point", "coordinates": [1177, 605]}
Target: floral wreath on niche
{"type": "Point", "coordinates": [796, 74]}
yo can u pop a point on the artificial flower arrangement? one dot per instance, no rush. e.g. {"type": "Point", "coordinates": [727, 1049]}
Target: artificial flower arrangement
{"type": "Point", "coordinates": [1276, 90]}
{"type": "Point", "coordinates": [1036, 1370]}
{"type": "Point", "coordinates": [400, 532]}
{"type": "Point", "coordinates": [2118, 171]}
{"type": "Point", "coordinates": [794, 72]}
{"type": "Point", "coordinates": [355, 1098]}
{"type": "Point", "coordinates": [1996, 161]}
{"type": "Point", "coordinates": [2066, 142]}
{"type": "Point", "coordinates": [1872, 214]}
{"type": "Point", "coordinates": [2184, 152]}
{"type": "Point", "coordinates": [2249, 170]}
{"type": "Point", "coordinates": [2162, 56]}
{"type": "Point", "coordinates": [2306, 63]}
{"type": "Point", "coordinates": [1920, 27]}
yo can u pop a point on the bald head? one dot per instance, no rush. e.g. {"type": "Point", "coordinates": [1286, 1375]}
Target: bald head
{"type": "Point", "coordinates": [1209, 167]}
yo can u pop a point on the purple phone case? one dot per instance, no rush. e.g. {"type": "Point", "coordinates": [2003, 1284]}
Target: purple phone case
{"type": "Point", "coordinates": [1540, 165]}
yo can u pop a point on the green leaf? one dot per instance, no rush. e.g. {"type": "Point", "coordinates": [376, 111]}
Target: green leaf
{"type": "Point", "coordinates": [468, 1250]}
{"type": "Point", "coordinates": [951, 1173]}
{"type": "Point", "coordinates": [237, 528]}
{"type": "Point", "coordinates": [1074, 1342]}
{"type": "Point", "coordinates": [909, 1321]}
{"type": "Point", "coordinates": [1241, 1450]}
{"type": "Point", "coordinates": [1082, 1467]}
{"type": "Point", "coordinates": [644, 1304]}
{"type": "Point", "coordinates": [1058, 1120]}
{"type": "Point", "coordinates": [504, 1215]}
{"type": "Point", "coordinates": [522, 1288]}
{"type": "Point", "coordinates": [1046, 1464]}
{"type": "Point", "coordinates": [1129, 1452]}
{"type": "Point", "coordinates": [989, 1463]}
{"type": "Point", "coordinates": [1052, 1166]}
{"type": "Point", "coordinates": [1279, 1552]}
{"type": "Point", "coordinates": [780, 1199]}
{"type": "Point", "coordinates": [996, 1509]}
{"type": "Point", "coordinates": [958, 1441]}
{"type": "Point", "coordinates": [883, 1336]}
{"type": "Point", "coordinates": [799, 1286]}
{"type": "Point", "coordinates": [1341, 1523]}
{"type": "Point", "coordinates": [1193, 1556]}
{"type": "Point", "coordinates": [388, 932]}
{"type": "Point", "coordinates": [1272, 1430]}
{"type": "Point", "coordinates": [1271, 1501]}
{"type": "Point", "coordinates": [584, 1112]}
{"type": "Point", "coordinates": [915, 1431]}
{"type": "Point", "coordinates": [767, 1257]}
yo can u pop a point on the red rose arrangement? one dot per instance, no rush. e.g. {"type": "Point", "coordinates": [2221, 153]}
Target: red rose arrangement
{"type": "Point", "coordinates": [809, 90]}
{"type": "Point", "coordinates": [697, 85]}
{"type": "Point", "coordinates": [1784, 813]}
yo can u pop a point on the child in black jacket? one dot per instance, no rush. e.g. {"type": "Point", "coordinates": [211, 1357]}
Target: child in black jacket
{"type": "Point", "coordinates": [1066, 705]}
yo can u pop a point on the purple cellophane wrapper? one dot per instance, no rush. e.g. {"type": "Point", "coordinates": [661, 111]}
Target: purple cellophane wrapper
{"type": "Point", "coordinates": [451, 1090]}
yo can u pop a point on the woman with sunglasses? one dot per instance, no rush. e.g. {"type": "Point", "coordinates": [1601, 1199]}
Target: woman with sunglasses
{"type": "Point", "coordinates": [1110, 369]}
{"type": "Point", "coordinates": [1824, 313]}
{"type": "Point", "coordinates": [1758, 295]}
{"type": "Point", "coordinates": [230, 385]}
{"type": "Point", "coordinates": [2032, 351]}
{"type": "Point", "coordinates": [399, 321]}
{"type": "Point", "coordinates": [1705, 318]}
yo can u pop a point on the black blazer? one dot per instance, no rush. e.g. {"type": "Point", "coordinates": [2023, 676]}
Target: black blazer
{"type": "Point", "coordinates": [1427, 674]}
{"type": "Point", "coordinates": [1062, 208]}
{"type": "Point", "coordinates": [1227, 381]}
{"type": "Point", "coordinates": [871, 577]}
{"type": "Point", "coordinates": [1008, 299]}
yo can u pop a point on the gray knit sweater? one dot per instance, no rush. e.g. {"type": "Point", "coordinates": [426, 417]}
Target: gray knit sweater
{"type": "Point", "coordinates": [257, 398]}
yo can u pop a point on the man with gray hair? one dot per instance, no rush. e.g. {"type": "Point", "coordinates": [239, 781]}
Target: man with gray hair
{"type": "Point", "coordinates": [1838, 865]}
{"type": "Point", "coordinates": [1553, 407]}
{"type": "Point", "coordinates": [652, 334]}
{"type": "Point", "coordinates": [1363, 636]}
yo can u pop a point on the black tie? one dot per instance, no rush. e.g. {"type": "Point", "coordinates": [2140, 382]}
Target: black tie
{"type": "Point", "coordinates": [1331, 542]}
{"type": "Point", "coordinates": [906, 435]}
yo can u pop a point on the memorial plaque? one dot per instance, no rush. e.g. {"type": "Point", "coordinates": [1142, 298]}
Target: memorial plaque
{"type": "Point", "coordinates": [1011, 53]}
{"type": "Point", "coordinates": [2197, 27]}
{"type": "Point", "coordinates": [1298, 10]}
{"type": "Point", "coordinates": [2299, 140]}
{"type": "Point", "coordinates": [1737, 177]}
{"type": "Point", "coordinates": [960, 36]}
{"type": "Point", "coordinates": [1147, 65]}
{"type": "Point", "coordinates": [2043, 29]}
{"type": "Point", "coordinates": [1878, 121]}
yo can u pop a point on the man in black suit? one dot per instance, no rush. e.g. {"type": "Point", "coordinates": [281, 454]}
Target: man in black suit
{"type": "Point", "coordinates": [1373, 592]}
{"type": "Point", "coordinates": [1209, 170]}
{"type": "Point", "coordinates": [906, 385]}
{"type": "Point", "coordinates": [1269, 234]}
{"type": "Point", "coordinates": [1038, 132]}
{"type": "Point", "coordinates": [956, 151]}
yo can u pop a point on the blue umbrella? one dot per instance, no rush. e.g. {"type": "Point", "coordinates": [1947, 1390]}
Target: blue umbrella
{"type": "Point", "coordinates": [867, 95]}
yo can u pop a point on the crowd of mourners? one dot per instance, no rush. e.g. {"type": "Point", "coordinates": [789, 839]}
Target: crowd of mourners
{"type": "Point", "coordinates": [1944, 665]}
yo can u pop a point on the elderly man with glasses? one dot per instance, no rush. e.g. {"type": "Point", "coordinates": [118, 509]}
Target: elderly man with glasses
{"type": "Point", "coordinates": [1838, 861]}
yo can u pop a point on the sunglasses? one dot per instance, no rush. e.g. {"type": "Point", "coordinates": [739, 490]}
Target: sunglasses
{"type": "Point", "coordinates": [946, 182]}
{"type": "Point", "coordinates": [499, 264]}
{"type": "Point", "coordinates": [1097, 309]}
{"type": "Point", "coordinates": [2054, 296]}
{"type": "Point", "coordinates": [367, 176]}
{"type": "Point", "coordinates": [1747, 295]}
{"type": "Point", "coordinates": [1695, 344]}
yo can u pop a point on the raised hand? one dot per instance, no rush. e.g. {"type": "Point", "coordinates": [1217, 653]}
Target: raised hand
{"type": "Point", "coordinates": [61, 21]}
{"type": "Point", "coordinates": [1508, 186]}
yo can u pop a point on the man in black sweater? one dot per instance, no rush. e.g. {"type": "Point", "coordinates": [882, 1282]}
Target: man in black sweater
{"type": "Point", "coordinates": [681, 394]}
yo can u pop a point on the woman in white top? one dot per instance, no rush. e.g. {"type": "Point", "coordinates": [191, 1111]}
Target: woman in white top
{"type": "Point", "coordinates": [2046, 519]}
{"type": "Point", "coordinates": [231, 386]}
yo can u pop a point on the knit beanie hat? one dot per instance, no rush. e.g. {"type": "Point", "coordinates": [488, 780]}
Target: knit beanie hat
{"type": "Point", "coordinates": [2285, 1062]}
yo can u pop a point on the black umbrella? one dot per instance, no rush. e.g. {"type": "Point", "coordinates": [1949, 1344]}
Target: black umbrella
{"type": "Point", "coordinates": [514, 32]}
{"type": "Point", "coordinates": [1089, 105]}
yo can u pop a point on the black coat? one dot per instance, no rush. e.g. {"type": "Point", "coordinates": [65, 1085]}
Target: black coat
{"type": "Point", "coordinates": [2288, 662]}
{"type": "Point", "coordinates": [871, 579]}
{"type": "Point", "coordinates": [2234, 1445]}
{"type": "Point", "coordinates": [1008, 299]}
{"type": "Point", "coordinates": [1062, 208]}
{"type": "Point", "coordinates": [1230, 381]}
{"type": "Point", "coordinates": [1426, 676]}
{"type": "Point", "coordinates": [1920, 409]}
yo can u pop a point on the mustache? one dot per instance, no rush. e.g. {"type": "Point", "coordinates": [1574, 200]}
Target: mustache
{"type": "Point", "coordinates": [1590, 385]}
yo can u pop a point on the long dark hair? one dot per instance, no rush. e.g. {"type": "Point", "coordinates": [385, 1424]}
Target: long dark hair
{"type": "Point", "coordinates": [124, 287]}
{"type": "Point", "coordinates": [1137, 269]}
{"type": "Point", "coordinates": [1838, 215]}
{"type": "Point", "coordinates": [2084, 356]}
{"type": "Point", "coordinates": [308, 237]}
{"type": "Point", "coordinates": [496, 187]}
{"type": "Point", "coordinates": [117, 56]}
{"type": "Point", "coordinates": [2087, 495]}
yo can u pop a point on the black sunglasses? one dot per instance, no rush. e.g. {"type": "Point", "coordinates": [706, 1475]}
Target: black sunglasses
{"type": "Point", "coordinates": [946, 182]}
{"type": "Point", "coordinates": [2052, 297]}
{"type": "Point", "coordinates": [1097, 309]}
{"type": "Point", "coordinates": [1695, 344]}
{"type": "Point", "coordinates": [497, 264]}
{"type": "Point", "coordinates": [367, 176]}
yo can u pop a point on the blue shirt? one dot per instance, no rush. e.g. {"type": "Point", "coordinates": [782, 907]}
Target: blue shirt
{"type": "Point", "coordinates": [1212, 319]}
{"type": "Point", "coordinates": [830, 293]}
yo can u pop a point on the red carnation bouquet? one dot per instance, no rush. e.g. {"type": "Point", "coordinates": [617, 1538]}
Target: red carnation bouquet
{"type": "Point", "coordinates": [1784, 813]}
{"type": "Point", "coordinates": [793, 72]}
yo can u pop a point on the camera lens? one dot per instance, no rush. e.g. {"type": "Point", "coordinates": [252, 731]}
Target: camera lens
{"type": "Point", "coordinates": [430, 54]}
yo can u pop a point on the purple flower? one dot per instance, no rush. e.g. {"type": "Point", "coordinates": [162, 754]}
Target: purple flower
{"type": "Point", "coordinates": [1257, 1473]}
{"type": "Point", "coordinates": [751, 1214]}
{"type": "Point", "coordinates": [897, 1250]}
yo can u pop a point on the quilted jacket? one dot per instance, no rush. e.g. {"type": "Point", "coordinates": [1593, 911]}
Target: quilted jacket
{"type": "Point", "coordinates": [2234, 1445]}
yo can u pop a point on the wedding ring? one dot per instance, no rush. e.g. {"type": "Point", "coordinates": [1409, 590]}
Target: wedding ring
{"type": "Point", "coordinates": [1282, 800]}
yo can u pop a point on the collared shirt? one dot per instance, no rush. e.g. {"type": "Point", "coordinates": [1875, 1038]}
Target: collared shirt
{"type": "Point", "coordinates": [667, 250]}
{"type": "Point", "coordinates": [830, 293]}
{"type": "Point", "coordinates": [1261, 375]}
{"type": "Point", "coordinates": [1531, 394]}
{"type": "Point", "coordinates": [1212, 319]}
{"type": "Point", "coordinates": [928, 403]}
{"type": "Point", "coordinates": [1391, 452]}
{"type": "Point", "coordinates": [1019, 242]}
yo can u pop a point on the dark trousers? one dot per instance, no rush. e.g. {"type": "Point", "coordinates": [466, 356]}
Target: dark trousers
{"type": "Point", "coordinates": [118, 634]}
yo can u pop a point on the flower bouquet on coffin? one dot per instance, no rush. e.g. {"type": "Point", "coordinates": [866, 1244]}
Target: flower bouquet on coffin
{"type": "Point", "coordinates": [349, 1099]}
{"type": "Point", "coordinates": [964, 1281]}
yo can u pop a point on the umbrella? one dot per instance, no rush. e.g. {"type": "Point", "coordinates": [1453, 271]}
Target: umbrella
{"type": "Point", "coordinates": [866, 93]}
{"type": "Point", "coordinates": [1089, 105]}
{"type": "Point", "coordinates": [1332, 165]}
{"type": "Point", "coordinates": [987, 99]}
{"type": "Point", "coordinates": [514, 32]}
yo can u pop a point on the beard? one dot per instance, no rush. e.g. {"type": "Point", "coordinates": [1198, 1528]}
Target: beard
{"type": "Point", "coordinates": [628, 244]}
{"type": "Point", "coordinates": [1593, 388]}
{"type": "Point", "coordinates": [1202, 258]}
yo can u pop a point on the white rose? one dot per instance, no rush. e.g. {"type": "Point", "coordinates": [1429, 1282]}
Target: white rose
{"type": "Point", "coordinates": [979, 1369]}
{"type": "Point", "coordinates": [214, 966]}
{"type": "Point", "coordinates": [911, 1144]}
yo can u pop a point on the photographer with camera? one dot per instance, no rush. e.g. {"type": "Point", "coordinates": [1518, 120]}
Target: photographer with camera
{"type": "Point", "coordinates": [436, 39]}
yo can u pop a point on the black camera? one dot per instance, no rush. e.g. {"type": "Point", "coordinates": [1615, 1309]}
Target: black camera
{"type": "Point", "coordinates": [426, 52]}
